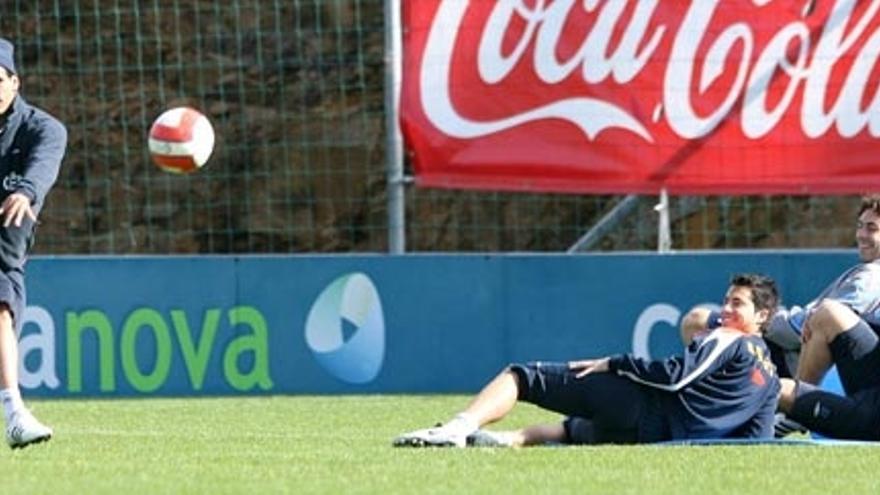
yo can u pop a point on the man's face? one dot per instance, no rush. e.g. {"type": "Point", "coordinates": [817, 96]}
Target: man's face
{"type": "Point", "coordinates": [868, 236]}
{"type": "Point", "coordinates": [739, 310]}
{"type": "Point", "coordinates": [8, 89]}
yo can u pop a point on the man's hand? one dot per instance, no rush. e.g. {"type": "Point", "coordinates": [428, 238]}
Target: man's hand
{"type": "Point", "coordinates": [586, 366]}
{"type": "Point", "coordinates": [14, 208]}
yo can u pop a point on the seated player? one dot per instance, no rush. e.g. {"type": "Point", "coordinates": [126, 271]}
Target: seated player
{"type": "Point", "coordinates": [840, 326]}
{"type": "Point", "coordinates": [724, 386]}
{"type": "Point", "coordinates": [842, 330]}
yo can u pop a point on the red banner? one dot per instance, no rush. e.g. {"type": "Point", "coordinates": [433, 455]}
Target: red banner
{"type": "Point", "coordinates": [616, 96]}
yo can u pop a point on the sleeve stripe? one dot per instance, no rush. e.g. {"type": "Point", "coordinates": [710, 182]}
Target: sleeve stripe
{"type": "Point", "coordinates": [724, 340]}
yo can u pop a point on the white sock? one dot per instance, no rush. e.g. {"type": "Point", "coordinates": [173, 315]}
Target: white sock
{"type": "Point", "coordinates": [506, 438]}
{"type": "Point", "coordinates": [501, 438]}
{"type": "Point", "coordinates": [11, 399]}
{"type": "Point", "coordinates": [462, 424]}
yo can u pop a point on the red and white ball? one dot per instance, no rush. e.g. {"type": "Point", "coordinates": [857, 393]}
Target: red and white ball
{"type": "Point", "coordinates": [181, 140]}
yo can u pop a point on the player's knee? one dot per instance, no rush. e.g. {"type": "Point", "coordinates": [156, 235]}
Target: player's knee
{"type": "Point", "coordinates": [830, 318]}
{"type": "Point", "coordinates": [696, 320]}
{"type": "Point", "coordinates": [516, 373]}
{"type": "Point", "coordinates": [787, 394]}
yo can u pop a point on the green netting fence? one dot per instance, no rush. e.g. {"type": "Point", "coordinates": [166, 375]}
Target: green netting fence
{"type": "Point", "coordinates": [295, 90]}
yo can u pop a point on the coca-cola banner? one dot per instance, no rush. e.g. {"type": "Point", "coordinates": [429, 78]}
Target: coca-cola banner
{"type": "Point", "coordinates": [616, 96]}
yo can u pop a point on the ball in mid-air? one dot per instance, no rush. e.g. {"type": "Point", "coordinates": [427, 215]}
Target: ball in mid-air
{"type": "Point", "coordinates": [181, 140]}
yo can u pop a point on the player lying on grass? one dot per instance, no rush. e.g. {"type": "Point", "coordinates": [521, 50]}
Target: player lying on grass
{"type": "Point", "coordinates": [724, 386]}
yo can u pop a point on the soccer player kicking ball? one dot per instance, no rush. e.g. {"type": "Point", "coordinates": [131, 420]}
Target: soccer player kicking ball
{"type": "Point", "coordinates": [32, 144]}
{"type": "Point", "coordinates": [724, 386]}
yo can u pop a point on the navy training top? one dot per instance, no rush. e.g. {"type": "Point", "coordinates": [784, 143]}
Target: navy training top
{"type": "Point", "coordinates": [32, 145]}
{"type": "Point", "coordinates": [725, 385]}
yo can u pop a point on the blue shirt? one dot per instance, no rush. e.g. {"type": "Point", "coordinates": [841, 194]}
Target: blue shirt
{"type": "Point", "coordinates": [858, 288]}
{"type": "Point", "coordinates": [724, 386]}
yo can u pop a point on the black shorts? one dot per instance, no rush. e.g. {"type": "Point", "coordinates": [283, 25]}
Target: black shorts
{"type": "Point", "coordinates": [12, 294]}
{"type": "Point", "coordinates": [856, 353]}
{"type": "Point", "coordinates": [856, 417]}
{"type": "Point", "coordinates": [601, 407]}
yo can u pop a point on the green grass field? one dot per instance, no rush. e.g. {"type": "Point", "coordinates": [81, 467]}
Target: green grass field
{"type": "Point", "coordinates": [341, 444]}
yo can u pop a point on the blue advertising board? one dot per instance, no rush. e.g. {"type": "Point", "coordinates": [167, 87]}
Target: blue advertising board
{"type": "Point", "coordinates": [144, 326]}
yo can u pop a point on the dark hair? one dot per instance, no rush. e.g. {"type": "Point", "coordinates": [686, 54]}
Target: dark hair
{"type": "Point", "coordinates": [765, 295]}
{"type": "Point", "coordinates": [870, 202]}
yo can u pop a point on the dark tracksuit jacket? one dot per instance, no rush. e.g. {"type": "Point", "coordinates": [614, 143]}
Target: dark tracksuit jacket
{"type": "Point", "coordinates": [724, 386]}
{"type": "Point", "coordinates": [32, 145]}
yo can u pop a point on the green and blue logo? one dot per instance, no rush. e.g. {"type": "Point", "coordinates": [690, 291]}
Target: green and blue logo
{"type": "Point", "coordinates": [345, 329]}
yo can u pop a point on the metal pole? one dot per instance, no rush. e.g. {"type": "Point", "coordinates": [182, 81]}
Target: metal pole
{"type": "Point", "coordinates": [664, 237]}
{"type": "Point", "coordinates": [396, 182]}
{"type": "Point", "coordinates": [611, 219]}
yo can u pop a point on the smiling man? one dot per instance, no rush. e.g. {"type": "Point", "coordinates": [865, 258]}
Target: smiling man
{"type": "Point", "coordinates": [841, 328]}
{"type": "Point", "coordinates": [724, 386]}
{"type": "Point", "coordinates": [851, 300]}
